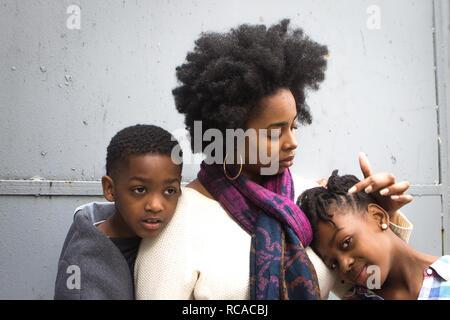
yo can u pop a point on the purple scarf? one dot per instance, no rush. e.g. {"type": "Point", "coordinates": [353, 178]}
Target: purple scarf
{"type": "Point", "coordinates": [279, 265]}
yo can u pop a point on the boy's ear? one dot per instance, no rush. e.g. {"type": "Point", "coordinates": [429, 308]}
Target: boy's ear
{"type": "Point", "coordinates": [108, 188]}
{"type": "Point", "coordinates": [378, 215]}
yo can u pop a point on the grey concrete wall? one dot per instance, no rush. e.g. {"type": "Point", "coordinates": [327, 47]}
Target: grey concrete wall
{"type": "Point", "coordinates": [65, 92]}
{"type": "Point", "coordinates": [32, 232]}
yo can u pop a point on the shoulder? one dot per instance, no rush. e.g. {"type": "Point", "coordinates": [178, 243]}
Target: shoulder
{"type": "Point", "coordinates": [196, 219]}
{"type": "Point", "coordinates": [94, 212]}
{"type": "Point", "coordinates": [196, 202]}
{"type": "Point", "coordinates": [92, 268]}
{"type": "Point", "coordinates": [199, 187]}
{"type": "Point", "coordinates": [205, 216]}
{"type": "Point", "coordinates": [195, 213]}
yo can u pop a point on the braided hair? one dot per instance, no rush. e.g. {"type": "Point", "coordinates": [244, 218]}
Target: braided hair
{"type": "Point", "coordinates": [316, 202]}
{"type": "Point", "coordinates": [139, 139]}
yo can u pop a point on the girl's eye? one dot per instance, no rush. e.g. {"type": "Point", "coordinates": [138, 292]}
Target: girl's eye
{"type": "Point", "coordinates": [346, 243]}
{"type": "Point", "coordinates": [170, 191]}
{"type": "Point", "coordinates": [139, 190]}
{"type": "Point", "coordinates": [333, 266]}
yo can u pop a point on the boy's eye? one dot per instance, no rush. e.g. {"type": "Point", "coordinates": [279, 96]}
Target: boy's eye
{"type": "Point", "coordinates": [170, 191]}
{"type": "Point", "coordinates": [139, 190]}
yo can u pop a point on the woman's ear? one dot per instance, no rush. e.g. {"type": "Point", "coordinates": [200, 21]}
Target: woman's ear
{"type": "Point", "coordinates": [108, 188]}
{"type": "Point", "coordinates": [378, 215]}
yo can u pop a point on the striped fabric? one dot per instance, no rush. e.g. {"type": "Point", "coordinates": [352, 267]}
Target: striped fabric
{"type": "Point", "coordinates": [436, 282]}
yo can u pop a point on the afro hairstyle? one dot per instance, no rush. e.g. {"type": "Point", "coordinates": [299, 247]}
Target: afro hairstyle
{"type": "Point", "coordinates": [227, 74]}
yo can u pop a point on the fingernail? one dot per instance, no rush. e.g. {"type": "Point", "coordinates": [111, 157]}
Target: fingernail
{"type": "Point", "coordinates": [384, 191]}
{"type": "Point", "coordinates": [352, 189]}
{"type": "Point", "coordinates": [368, 189]}
{"type": "Point", "coordinates": [395, 197]}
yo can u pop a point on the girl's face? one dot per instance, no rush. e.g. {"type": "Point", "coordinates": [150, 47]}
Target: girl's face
{"type": "Point", "coordinates": [276, 114]}
{"type": "Point", "coordinates": [357, 247]}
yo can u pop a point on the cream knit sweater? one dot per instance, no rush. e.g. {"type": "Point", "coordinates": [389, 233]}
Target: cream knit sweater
{"type": "Point", "coordinates": [204, 254]}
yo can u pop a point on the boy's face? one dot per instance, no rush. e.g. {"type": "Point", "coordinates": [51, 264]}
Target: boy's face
{"type": "Point", "coordinates": [146, 192]}
{"type": "Point", "coordinates": [355, 244]}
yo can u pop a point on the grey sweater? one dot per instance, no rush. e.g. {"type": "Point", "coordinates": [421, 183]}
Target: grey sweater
{"type": "Point", "coordinates": [90, 265]}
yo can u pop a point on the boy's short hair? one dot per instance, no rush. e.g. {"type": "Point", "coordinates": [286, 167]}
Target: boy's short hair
{"type": "Point", "coordinates": [139, 139]}
{"type": "Point", "coordinates": [315, 202]}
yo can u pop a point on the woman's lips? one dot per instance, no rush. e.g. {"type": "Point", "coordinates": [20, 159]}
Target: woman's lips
{"type": "Point", "coordinates": [287, 162]}
{"type": "Point", "coordinates": [151, 224]}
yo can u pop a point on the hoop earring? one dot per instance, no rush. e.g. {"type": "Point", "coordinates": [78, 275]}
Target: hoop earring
{"type": "Point", "coordinates": [225, 170]}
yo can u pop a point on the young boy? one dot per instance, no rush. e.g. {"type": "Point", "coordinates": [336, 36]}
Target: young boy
{"type": "Point", "coordinates": [98, 255]}
{"type": "Point", "coordinates": [352, 234]}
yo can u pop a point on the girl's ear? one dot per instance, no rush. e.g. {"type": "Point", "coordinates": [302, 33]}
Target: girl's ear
{"type": "Point", "coordinates": [108, 188]}
{"type": "Point", "coordinates": [378, 215]}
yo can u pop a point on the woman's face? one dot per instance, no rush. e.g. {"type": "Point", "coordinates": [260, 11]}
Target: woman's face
{"type": "Point", "coordinates": [276, 115]}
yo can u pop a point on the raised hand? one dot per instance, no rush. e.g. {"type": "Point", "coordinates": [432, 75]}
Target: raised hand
{"type": "Point", "coordinates": [383, 186]}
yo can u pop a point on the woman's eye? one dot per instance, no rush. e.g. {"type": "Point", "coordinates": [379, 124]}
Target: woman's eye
{"type": "Point", "coordinates": [275, 136]}
{"type": "Point", "coordinates": [170, 191]}
{"type": "Point", "coordinates": [294, 128]}
{"type": "Point", "coordinates": [139, 190]}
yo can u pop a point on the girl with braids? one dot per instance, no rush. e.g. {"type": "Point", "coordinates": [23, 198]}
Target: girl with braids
{"type": "Point", "coordinates": [351, 234]}
{"type": "Point", "coordinates": [237, 233]}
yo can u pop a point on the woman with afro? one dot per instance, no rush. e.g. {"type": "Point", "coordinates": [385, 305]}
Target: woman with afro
{"type": "Point", "coordinates": [237, 233]}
